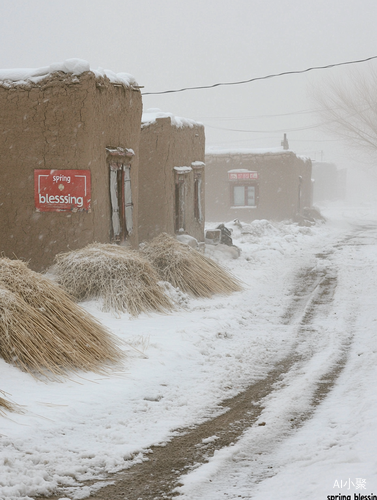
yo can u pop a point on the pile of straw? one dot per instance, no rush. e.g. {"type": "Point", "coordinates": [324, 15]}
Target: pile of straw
{"type": "Point", "coordinates": [188, 269]}
{"type": "Point", "coordinates": [121, 277]}
{"type": "Point", "coordinates": [42, 331]}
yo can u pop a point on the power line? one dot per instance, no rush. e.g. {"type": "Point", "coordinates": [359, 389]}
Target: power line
{"type": "Point", "coordinates": [313, 140]}
{"type": "Point", "coordinates": [276, 137]}
{"type": "Point", "coordinates": [299, 129]}
{"type": "Point", "coordinates": [275, 75]}
{"type": "Point", "coordinates": [226, 118]}
{"type": "Point", "coordinates": [307, 127]}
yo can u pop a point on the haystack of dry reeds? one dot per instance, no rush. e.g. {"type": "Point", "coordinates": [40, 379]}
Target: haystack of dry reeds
{"type": "Point", "coordinates": [188, 269]}
{"type": "Point", "coordinates": [121, 277]}
{"type": "Point", "coordinates": [43, 331]}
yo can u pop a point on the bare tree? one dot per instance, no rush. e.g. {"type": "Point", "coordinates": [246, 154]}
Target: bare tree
{"type": "Point", "coordinates": [349, 109]}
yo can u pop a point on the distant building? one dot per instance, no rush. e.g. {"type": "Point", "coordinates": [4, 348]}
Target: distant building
{"type": "Point", "coordinates": [171, 176]}
{"type": "Point", "coordinates": [270, 184]}
{"type": "Point", "coordinates": [68, 160]}
{"type": "Point", "coordinates": [329, 182]}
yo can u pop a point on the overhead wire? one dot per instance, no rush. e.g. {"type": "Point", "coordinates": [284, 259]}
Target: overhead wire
{"type": "Point", "coordinates": [266, 77]}
{"type": "Point", "coordinates": [308, 127]}
{"type": "Point", "coordinates": [255, 117]}
{"type": "Point", "coordinates": [270, 76]}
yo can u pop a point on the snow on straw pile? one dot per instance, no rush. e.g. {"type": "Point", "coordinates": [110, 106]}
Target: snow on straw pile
{"type": "Point", "coordinates": [42, 331]}
{"type": "Point", "coordinates": [188, 269]}
{"type": "Point", "coordinates": [121, 277]}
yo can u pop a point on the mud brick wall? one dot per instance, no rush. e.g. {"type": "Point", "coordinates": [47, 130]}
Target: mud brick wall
{"type": "Point", "coordinates": [164, 146]}
{"type": "Point", "coordinates": [62, 122]}
{"type": "Point", "coordinates": [277, 186]}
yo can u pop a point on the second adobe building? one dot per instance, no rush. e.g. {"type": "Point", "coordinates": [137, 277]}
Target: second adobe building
{"type": "Point", "coordinates": [171, 176]}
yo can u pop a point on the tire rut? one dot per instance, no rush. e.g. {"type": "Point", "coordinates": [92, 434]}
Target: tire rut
{"type": "Point", "coordinates": [157, 476]}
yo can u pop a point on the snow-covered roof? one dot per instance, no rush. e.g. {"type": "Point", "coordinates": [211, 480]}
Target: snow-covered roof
{"type": "Point", "coordinates": [304, 158]}
{"type": "Point", "coordinates": [239, 170]}
{"type": "Point", "coordinates": [258, 151]}
{"type": "Point", "coordinates": [70, 66]}
{"type": "Point", "coordinates": [243, 151]}
{"type": "Point", "coordinates": [150, 116]}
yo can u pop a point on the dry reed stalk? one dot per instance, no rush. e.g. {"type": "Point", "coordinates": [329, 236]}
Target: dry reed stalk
{"type": "Point", "coordinates": [5, 405]}
{"type": "Point", "coordinates": [44, 332]}
{"type": "Point", "coordinates": [188, 269]}
{"type": "Point", "coordinates": [121, 277]}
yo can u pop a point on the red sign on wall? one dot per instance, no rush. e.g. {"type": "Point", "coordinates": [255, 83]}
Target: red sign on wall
{"type": "Point", "coordinates": [242, 176]}
{"type": "Point", "coordinates": [62, 190]}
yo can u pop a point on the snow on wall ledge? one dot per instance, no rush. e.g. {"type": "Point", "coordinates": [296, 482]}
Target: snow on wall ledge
{"type": "Point", "coordinates": [151, 115]}
{"type": "Point", "coordinates": [74, 67]}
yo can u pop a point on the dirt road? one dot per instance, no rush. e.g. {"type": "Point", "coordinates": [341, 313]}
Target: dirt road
{"type": "Point", "coordinates": [158, 476]}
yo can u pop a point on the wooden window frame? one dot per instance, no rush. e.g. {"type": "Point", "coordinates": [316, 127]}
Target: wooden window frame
{"type": "Point", "coordinates": [198, 183]}
{"type": "Point", "coordinates": [180, 201]}
{"type": "Point", "coordinates": [121, 204]}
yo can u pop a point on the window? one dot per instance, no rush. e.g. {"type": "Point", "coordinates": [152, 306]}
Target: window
{"type": "Point", "coordinates": [180, 179]}
{"type": "Point", "coordinates": [244, 196]}
{"type": "Point", "coordinates": [180, 192]}
{"type": "Point", "coordinates": [198, 168]}
{"type": "Point", "coordinates": [114, 198]}
{"type": "Point", "coordinates": [121, 201]}
{"type": "Point", "coordinates": [128, 205]}
{"type": "Point", "coordinates": [121, 206]}
{"type": "Point", "coordinates": [198, 198]}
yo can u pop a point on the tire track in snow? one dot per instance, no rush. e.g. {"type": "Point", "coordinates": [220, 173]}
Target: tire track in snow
{"type": "Point", "coordinates": [158, 476]}
{"type": "Point", "coordinates": [259, 468]}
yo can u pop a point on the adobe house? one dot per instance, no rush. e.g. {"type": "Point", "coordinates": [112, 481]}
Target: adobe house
{"type": "Point", "coordinates": [270, 184]}
{"type": "Point", "coordinates": [68, 160]}
{"type": "Point", "coordinates": [171, 176]}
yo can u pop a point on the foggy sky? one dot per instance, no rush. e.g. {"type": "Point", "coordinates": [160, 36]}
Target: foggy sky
{"type": "Point", "coordinates": [170, 44]}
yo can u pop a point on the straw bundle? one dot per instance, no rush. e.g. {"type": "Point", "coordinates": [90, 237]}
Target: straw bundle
{"type": "Point", "coordinates": [188, 269]}
{"type": "Point", "coordinates": [43, 332]}
{"type": "Point", "coordinates": [120, 276]}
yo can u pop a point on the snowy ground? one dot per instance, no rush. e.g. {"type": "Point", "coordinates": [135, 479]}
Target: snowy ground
{"type": "Point", "coordinates": [188, 361]}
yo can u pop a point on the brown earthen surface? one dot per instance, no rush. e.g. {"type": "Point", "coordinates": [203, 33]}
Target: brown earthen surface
{"type": "Point", "coordinates": [158, 476]}
{"type": "Point", "coordinates": [278, 185]}
{"type": "Point", "coordinates": [63, 122]}
{"type": "Point", "coordinates": [164, 146]}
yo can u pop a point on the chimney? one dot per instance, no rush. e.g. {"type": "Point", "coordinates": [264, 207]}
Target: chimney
{"type": "Point", "coordinates": [284, 142]}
